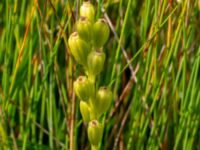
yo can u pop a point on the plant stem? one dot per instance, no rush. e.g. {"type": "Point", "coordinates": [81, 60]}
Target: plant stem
{"type": "Point", "coordinates": [94, 147]}
{"type": "Point", "coordinates": [91, 78]}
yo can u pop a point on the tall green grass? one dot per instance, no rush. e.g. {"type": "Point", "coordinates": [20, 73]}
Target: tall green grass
{"type": "Point", "coordinates": [153, 69]}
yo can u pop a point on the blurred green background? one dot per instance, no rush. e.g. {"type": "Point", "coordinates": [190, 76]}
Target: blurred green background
{"type": "Point", "coordinates": [152, 66]}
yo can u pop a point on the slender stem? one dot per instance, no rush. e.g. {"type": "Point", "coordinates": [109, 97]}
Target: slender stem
{"type": "Point", "coordinates": [72, 123]}
{"type": "Point", "coordinates": [91, 78]}
{"type": "Point", "coordinates": [94, 147]}
{"type": "Point", "coordinates": [120, 40]}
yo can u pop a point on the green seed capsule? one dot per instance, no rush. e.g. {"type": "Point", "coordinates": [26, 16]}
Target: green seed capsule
{"type": "Point", "coordinates": [83, 27]}
{"type": "Point", "coordinates": [84, 89]}
{"type": "Point", "coordinates": [95, 61]}
{"type": "Point", "coordinates": [95, 132]}
{"type": "Point", "coordinates": [103, 100]}
{"type": "Point", "coordinates": [101, 33]}
{"type": "Point", "coordinates": [79, 48]}
{"type": "Point", "coordinates": [87, 10]}
{"type": "Point", "coordinates": [85, 111]}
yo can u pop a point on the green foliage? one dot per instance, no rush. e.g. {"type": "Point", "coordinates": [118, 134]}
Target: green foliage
{"type": "Point", "coordinates": [152, 67]}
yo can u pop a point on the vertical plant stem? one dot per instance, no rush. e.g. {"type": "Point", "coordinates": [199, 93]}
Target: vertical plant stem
{"type": "Point", "coordinates": [93, 147]}
{"type": "Point", "coordinates": [71, 146]}
{"type": "Point", "coordinates": [120, 40]}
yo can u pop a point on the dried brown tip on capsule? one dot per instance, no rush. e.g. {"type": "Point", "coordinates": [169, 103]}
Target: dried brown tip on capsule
{"type": "Point", "coordinates": [83, 18]}
{"type": "Point", "coordinates": [81, 78]}
{"type": "Point", "coordinates": [103, 20]}
{"type": "Point", "coordinates": [94, 122]}
{"type": "Point", "coordinates": [75, 34]}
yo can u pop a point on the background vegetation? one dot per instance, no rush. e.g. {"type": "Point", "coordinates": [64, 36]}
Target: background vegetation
{"type": "Point", "coordinates": [152, 67]}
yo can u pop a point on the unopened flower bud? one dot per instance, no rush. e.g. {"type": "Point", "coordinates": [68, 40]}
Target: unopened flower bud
{"type": "Point", "coordinates": [79, 48]}
{"type": "Point", "coordinates": [84, 27]}
{"type": "Point", "coordinates": [95, 132]}
{"type": "Point", "coordinates": [101, 33]}
{"type": "Point", "coordinates": [85, 111]}
{"type": "Point", "coordinates": [95, 61]}
{"type": "Point", "coordinates": [84, 89]}
{"type": "Point", "coordinates": [103, 100]}
{"type": "Point", "coordinates": [87, 10]}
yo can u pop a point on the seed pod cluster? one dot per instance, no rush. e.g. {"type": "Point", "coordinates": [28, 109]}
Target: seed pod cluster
{"type": "Point", "coordinates": [86, 46]}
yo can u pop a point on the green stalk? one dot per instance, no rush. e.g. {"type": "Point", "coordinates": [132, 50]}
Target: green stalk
{"type": "Point", "coordinates": [121, 38]}
{"type": "Point", "coordinates": [93, 147]}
